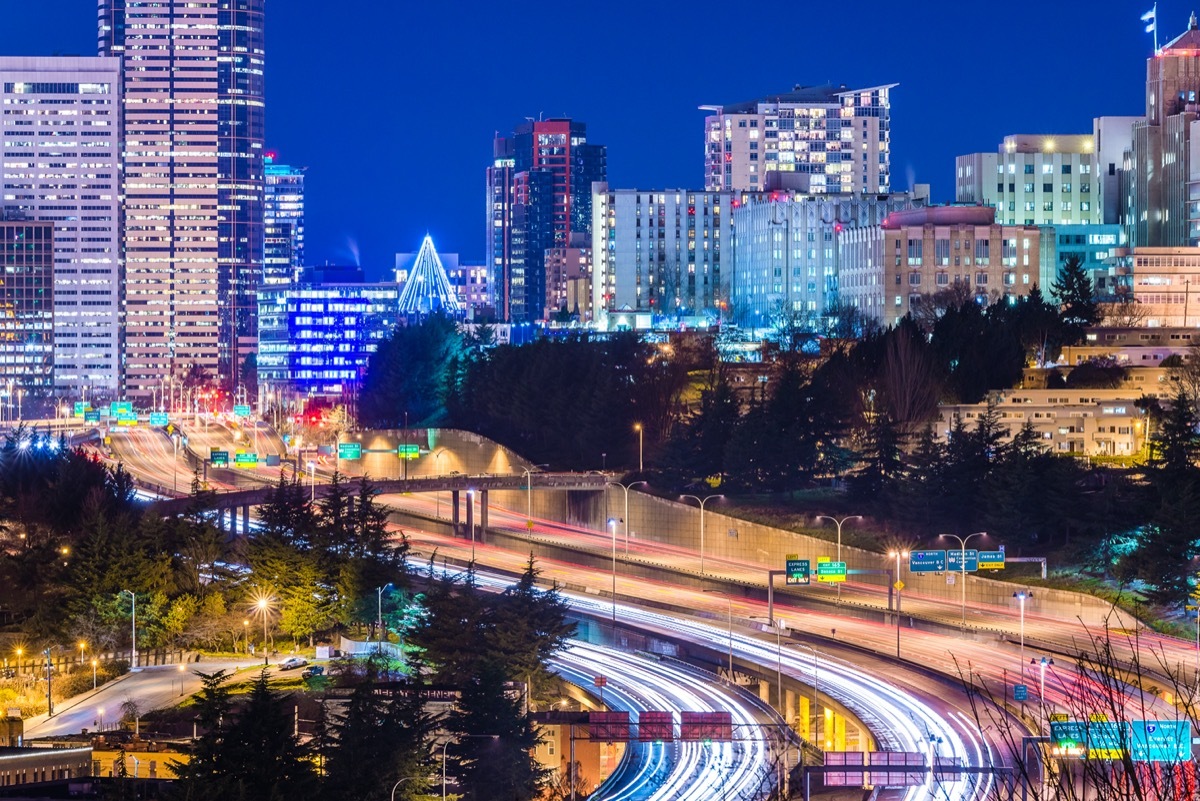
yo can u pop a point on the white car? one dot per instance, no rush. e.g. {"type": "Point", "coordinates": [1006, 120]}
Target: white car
{"type": "Point", "coordinates": [293, 662]}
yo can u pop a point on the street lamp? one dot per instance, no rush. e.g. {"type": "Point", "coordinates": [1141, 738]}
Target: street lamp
{"type": "Point", "coordinates": [898, 555]}
{"type": "Point", "coordinates": [702, 502]}
{"type": "Point", "coordinates": [312, 477]}
{"type": "Point", "coordinates": [447, 743]}
{"type": "Point", "coordinates": [402, 781]}
{"type": "Point", "coordinates": [82, 650]}
{"type": "Point", "coordinates": [93, 674]}
{"type": "Point", "coordinates": [612, 527]}
{"type": "Point", "coordinates": [246, 634]}
{"type": "Point", "coordinates": [379, 612]}
{"type": "Point", "coordinates": [263, 605]}
{"type": "Point", "coordinates": [778, 625]}
{"type": "Point", "coordinates": [474, 522]}
{"type": "Point", "coordinates": [962, 542]}
{"type": "Point", "coordinates": [626, 487]}
{"type": "Point", "coordinates": [1023, 596]}
{"type": "Point", "coordinates": [1043, 663]}
{"type": "Point", "coordinates": [839, 540]}
{"type": "Point", "coordinates": [638, 428]}
{"type": "Point", "coordinates": [132, 629]}
{"type": "Point", "coordinates": [528, 471]}
{"type": "Point", "coordinates": [729, 601]}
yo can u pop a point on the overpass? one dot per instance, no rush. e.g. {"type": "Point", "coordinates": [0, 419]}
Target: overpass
{"type": "Point", "coordinates": [230, 502]}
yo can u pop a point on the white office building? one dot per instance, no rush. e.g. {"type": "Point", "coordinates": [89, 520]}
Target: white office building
{"type": "Point", "coordinates": [813, 139]}
{"type": "Point", "coordinates": [663, 252]}
{"type": "Point", "coordinates": [60, 162]}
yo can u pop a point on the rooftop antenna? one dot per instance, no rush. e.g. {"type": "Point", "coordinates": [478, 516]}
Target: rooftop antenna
{"type": "Point", "coordinates": [1151, 17]}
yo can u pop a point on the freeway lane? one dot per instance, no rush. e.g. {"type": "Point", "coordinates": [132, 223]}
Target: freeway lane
{"type": "Point", "coordinates": [683, 771]}
{"type": "Point", "coordinates": [1065, 637]}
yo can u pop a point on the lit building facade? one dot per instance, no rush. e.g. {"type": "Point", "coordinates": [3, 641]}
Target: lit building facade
{"type": "Point", "coordinates": [931, 249]}
{"type": "Point", "coordinates": [317, 335]}
{"type": "Point", "coordinates": [473, 286]}
{"type": "Point", "coordinates": [1034, 180]}
{"type": "Point", "coordinates": [60, 162]}
{"type": "Point", "coordinates": [27, 305]}
{"type": "Point", "coordinates": [539, 189]}
{"type": "Point", "coordinates": [1160, 281]}
{"type": "Point", "coordinates": [666, 253]}
{"type": "Point", "coordinates": [283, 221]}
{"type": "Point", "coordinates": [1093, 246]}
{"type": "Point", "coordinates": [569, 282]}
{"type": "Point", "coordinates": [193, 159]}
{"type": "Point", "coordinates": [1158, 180]}
{"type": "Point", "coordinates": [788, 260]}
{"type": "Point", "coordinates": [832, 138]}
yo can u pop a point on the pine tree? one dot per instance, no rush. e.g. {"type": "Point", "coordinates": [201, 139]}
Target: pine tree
{"type": "Point", "coordinates": [1075, 295]}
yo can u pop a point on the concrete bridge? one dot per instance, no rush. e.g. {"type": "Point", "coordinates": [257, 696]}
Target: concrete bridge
{"type": "Point", "coordinates": [231, 502]}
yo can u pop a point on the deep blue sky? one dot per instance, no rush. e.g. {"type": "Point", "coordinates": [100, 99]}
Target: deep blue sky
{"type": "Point", "coordinates": [392, 105]}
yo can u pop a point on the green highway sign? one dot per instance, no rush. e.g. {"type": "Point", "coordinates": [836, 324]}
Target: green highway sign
{"type": "Point", "coordinates": [408, 451]}
{"type": "Point", "coordinates": [241, 410]}
{"type": "Point", "coordinates": [1068, 738]}
{"type": "Point", "coordinates": [219, 458]}
{"type": "Point", "coordinates": [159, 419]}
{"type": "Point", "coordinates": [797, 571]}
{"type": "Point", "coordinates": [1020, 692]}
{"type": "Point", "coordinates": [81, 408]}
{"type": "Point", "coordinates": [91, 416]}
{"type": "Point", "coordinates": [127, 418]}
{"type": "Point", "coordinates": [831, 571]}
{"type": "Point", "coordinates": [1107, 739]}
{"type": "Point", "coordinates": [245, 460]}
{"type": "Point", "coordinates": [122, 406]}
{"type": "Point", "coordinates": [954, 558]}
{"type": "Point", "coordinates": [349, 450]}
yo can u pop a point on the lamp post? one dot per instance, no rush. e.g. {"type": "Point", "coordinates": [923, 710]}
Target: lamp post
{"type": "Point", "coordinates": [379, 612]}
{"type": "Point", "coordinates": [471, 502]}
{"type": "Point", "coordinates": [528, 471]}
{"type": "Point", "coordinates": [839, 540]}
{"type": "Point", "coordinates": [898, 555]}
{"type": "Point", "coordinates": [402, 781]}
{"type": "Point", "coordinates": [612, 528]}
{"type": "Point", "coordinates": [702, 502]}
{"type": "Point", "coordinates": [132, 629]}
{"type": "Point", "coordinates": [447, 743]}
{"type": "Point", "coordinates": [626, 487]}
{"type": "Point", "coordinates": [638, 428]}
{"type": "Point", "coordinates": [246, 634]}
{"type": "Point", "coordinates": [175, 465]}
{"type": "Point", "coordinates": [94, 674]}
{"type": "Point", "coordinates": [729, 601]}
{"type": "Point", "coordinates": [1043, 663]}
{"type": "Point", "coordinates": [1022, 596]}
{"type": "Point", "coordinates": [263, 605]}
{"type": "Point", "coordinates": [962, 542]}
{"type": "Point", "coordinates": [778, 625]}
{"type": "Point", "coordinates": [437, 468]}
{"type": "Point", "coordinates": [312, 477]}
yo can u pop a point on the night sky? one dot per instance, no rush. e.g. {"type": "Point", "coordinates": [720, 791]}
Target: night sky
{"type": "Point", "coordinates": [392, 104]}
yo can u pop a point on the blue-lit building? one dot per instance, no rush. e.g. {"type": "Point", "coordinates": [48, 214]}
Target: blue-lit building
{"type": "Point", "coordinates": [316, 336]}
{"type": "Point", "coordinates": [1093, 245]}
{"type": "Point", "coordinates": [283, 221]}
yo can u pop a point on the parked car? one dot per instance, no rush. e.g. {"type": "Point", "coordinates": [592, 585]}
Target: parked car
{"type": "Point", "coordinates": [314, 670]}
{"type": "Point", "coordinates": [293, 662]}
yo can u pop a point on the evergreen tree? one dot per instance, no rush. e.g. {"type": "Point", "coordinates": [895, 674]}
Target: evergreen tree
{"type": "Point", "coordinates": [496, 762]}
{"type": "Point", "coordinates": [527, 627]}
{"type": "Point", "coordinates": [882, 463]}
{"type": "Point", "coordinates": [1075, 295]}
{"type": "Point", "coordinates": [261, 759]}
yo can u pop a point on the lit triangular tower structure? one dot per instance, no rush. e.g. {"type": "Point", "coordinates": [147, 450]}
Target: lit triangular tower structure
{"type": "Point", "coordinates": [428, 289]}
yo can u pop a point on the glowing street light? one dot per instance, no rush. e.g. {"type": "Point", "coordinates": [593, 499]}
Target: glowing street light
{"type": "Point", "coordinates": [263, 604]}
{"type": "Point", "coordinates": [962, 542]}
{"type": "Point", "coordinates": [702, 501]}
{"type": "Point", "coordinates": [638, 428]}
{"type": "Point", "coordinates": [626, 488]}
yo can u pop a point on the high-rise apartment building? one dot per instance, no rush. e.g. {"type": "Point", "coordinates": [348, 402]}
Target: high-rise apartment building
{"type": "Point", "coordinates": [193, 156]}
{"type": "Point", "coordinates": [1034, 180]}
{"type": "Point", "coordinates": [1159, 179]}
{"type": "Point", "coordinates": [60, 163]}
{"type": "Point", "coordinates": [26, 306]}
{"type": "Point", "coordinates": [283, 221]}
{"type": "Point", "coordinates": [539, 194]}
{"type": "Point", "coordinates": [663, 252]}
{"type": "Point", "coordinates": [832, 139]}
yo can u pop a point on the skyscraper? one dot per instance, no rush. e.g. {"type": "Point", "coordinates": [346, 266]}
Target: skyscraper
{"type": "Point", "coordinates": [193, 153]}
{"type": "Point", "coordinates": [60, 163]}
{"type": "Point", "coordinates": [283, 221]}
{"type": "Point", "coordinates": [539, 194]}
{"type": "Point", "coordinates": [26, 306]}
{"type": "Point", "coordinates": [833, 139]}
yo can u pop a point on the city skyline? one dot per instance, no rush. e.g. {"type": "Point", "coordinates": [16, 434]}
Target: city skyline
{"type": "Point", "coordinates": [653, 128]}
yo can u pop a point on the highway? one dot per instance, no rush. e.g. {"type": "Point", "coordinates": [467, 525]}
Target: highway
{"type": "Point", "coordinates": [687, 771]}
